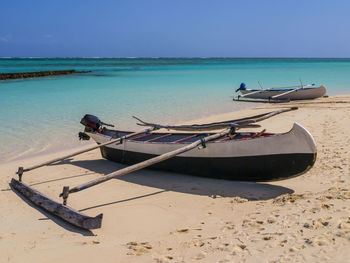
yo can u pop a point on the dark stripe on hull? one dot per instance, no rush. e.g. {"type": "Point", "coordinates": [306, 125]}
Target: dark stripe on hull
{"type": "Point", "coordinates": [251, 168]}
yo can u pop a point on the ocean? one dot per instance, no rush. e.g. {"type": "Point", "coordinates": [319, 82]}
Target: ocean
{"type": "Point", "coordinates": [43, 114]}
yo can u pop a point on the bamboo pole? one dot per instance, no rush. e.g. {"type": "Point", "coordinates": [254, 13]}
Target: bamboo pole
{"type": "Point", "coordinates": [116, 141]}
{"type": "Point", "coordinates": [266, 116]}
{"type": "Point", "coordinates": [198, 127]}
{"type": "Point", "coordinates": [142, 165]}
{"type": "Point", "coordinates": [239, 123]}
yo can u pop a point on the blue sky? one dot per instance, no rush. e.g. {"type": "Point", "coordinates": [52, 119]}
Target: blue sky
{"type": "Point", "coordinates": [175, 28]}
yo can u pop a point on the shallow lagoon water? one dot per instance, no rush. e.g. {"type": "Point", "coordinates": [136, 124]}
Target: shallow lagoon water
{"type": "Point", "coordinates": [43, 114]}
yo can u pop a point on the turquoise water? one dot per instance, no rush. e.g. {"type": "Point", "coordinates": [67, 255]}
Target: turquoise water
{"type": "Point", "coordinates": [42, 114]}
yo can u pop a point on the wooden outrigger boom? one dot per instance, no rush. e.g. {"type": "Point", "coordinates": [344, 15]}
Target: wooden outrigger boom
{"type": "Point", "coordinates": [83, 221]}
{"type": "Point", "coordinates": [21, 170]}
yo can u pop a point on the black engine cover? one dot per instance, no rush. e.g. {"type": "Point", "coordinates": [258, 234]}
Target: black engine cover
{"type": "Point", "coordinates": [91, 122]}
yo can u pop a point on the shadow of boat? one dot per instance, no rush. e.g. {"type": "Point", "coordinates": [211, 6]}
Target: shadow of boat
{"type": "Point", "coordinates": [165, 182]}
{"type": "Point", "coordinates": [188, 184]}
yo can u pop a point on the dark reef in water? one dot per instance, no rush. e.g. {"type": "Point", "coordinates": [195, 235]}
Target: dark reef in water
{"type": "Point", "coordinates": [37, 74]}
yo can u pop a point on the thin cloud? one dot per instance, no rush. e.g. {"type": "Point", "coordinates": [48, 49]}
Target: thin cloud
{"type": "Point", "coordinates": [6, 38]}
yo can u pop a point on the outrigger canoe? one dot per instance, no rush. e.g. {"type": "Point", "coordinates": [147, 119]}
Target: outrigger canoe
{"type": "Point", "coordinates": [303, 92]}
{"type": "Point", "coordinates": [245, 156]}
{"type": "Point", "coordinates": [197, 150]}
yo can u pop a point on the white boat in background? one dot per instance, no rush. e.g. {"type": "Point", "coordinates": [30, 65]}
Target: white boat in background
{"type": "Point", "coordinates": [302, 92]}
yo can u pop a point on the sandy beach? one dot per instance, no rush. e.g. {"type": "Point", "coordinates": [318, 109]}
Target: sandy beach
{"type": "Point", "coordinates": [152, 216]}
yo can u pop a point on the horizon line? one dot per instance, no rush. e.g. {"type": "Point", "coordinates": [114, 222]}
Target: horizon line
{"type": "Point", "coordinates": [92, 57]}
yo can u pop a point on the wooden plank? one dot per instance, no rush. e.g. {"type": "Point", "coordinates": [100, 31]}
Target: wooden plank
{"type": "Point", "coordinates": [186, 138]}
{"type": "Point", "coordinates": [269, 115]}
{"type": "Point", "coordinates": [66, 213]}
{"type": "Point", "coordinates": [160, 137]}
{"type": "Point", "coordinates": [140, 136]}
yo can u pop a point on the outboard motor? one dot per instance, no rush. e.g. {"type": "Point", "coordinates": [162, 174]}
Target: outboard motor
{"type": "Point", "coordinates": [241, 87]}
{"type": "Point", "coordinates": [91, 123]}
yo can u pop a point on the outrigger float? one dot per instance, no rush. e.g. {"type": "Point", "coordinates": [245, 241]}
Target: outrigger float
{"type": "Point", "coordinates": [228, 154]}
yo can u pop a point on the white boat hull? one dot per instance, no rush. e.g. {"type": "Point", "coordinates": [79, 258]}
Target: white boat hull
{"type": "Point", "coordinates": [301, 94]}
{"type": "Point", "coordinates": [264, 158]}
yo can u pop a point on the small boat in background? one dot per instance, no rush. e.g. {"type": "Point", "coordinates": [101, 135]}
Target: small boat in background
{"type": "Point", "coordinates": [282, 94]}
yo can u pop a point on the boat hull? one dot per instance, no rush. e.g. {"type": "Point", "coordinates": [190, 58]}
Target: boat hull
{"type": "Point", "coordinates": [251, 168]}
{"type": "Point", "coordinates": [301, 94]}
{"type": "Point", "coordinates": [268, 158]}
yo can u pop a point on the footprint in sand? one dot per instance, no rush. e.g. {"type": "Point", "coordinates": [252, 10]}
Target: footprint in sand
{"type": "Point", "coordinates": [185, 230]}
{"type": "Point", "coordinates": [344, 223]}
{"type": "Point", "coordinates": [326, 206]}
{"type": "Point", "coordinates": [138, 249]}
{"type": "Point", "coordinates": [93, 242]}
{"type": "Point", "coordinates": [321, 241]}
{"type": "Point", "coordinates": [228, 226]}
{"type": "Point", "coordinates": [199, 256]}
{"type": "Point", "coordinates": [238, 249]}
{"type": "Point", "coordinates": [271, 220]}
{"type": "Point", "coordinates": [196, 243]}
{"type": "Point", "coordinates": [163, 259]}
{"type": "Point", "coordinates": [289, 199]}
{"type": "Point", "coordinates": [238, 200]}
{"type": "Point", "coordinates": [318, 223]}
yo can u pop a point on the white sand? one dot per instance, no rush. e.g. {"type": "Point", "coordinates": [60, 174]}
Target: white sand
{"type": "Point", "coordinates": [152, 216]}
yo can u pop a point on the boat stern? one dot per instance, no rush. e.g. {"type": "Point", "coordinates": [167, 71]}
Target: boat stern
{"type": "Point", "coordinates": [306, 139]}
